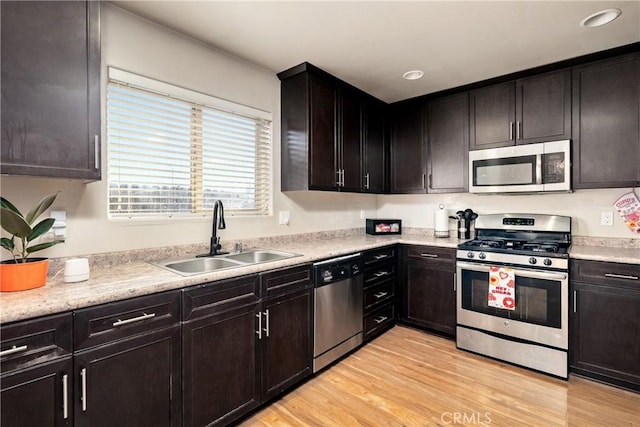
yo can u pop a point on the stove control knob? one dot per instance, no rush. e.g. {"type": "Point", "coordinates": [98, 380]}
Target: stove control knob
{"type": "Point", "coordinates": [470, 254]}
{"type": "Point", "coordinates": [547, 262]}
{"type": "Point", "coordinates": [482, 255]}
{"type": "Point", "coordinates": [532, 260]}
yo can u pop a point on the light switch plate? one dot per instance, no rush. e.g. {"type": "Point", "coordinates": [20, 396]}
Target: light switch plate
{"type": "Point", "coordinates": [606, 218]}
{"type": "Point", "coordinates": [283, 218]}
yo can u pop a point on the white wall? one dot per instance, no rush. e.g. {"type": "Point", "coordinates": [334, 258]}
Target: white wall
{"type": "Point", "coordinates": [139, 46]}
{"type": "Point", "coordinates": [584, 206]}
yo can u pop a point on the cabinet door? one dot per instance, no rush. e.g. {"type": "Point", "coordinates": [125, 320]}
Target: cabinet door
{"type": "Point", "coordinates": [492, 116]}
{"type": "Point", "coordinates": [132, 382]}
{"type": "Point", "coordinates": [351, 140]}
{"type": "Point", "coordinates": [543, 107]}
{"type": "Point", "coordinates": [408, 154]}
{"type": "Point", "coordinates": [448, 144]}
{"type": "Point", "coordinates": [322, 135]}
{"type": "Point", "coordinates": [287, 341]}
{"type": "Point", "coordinates": [375, 162]}
{"type": "Point", "coordinates": [220, 367]}
{"type": "Point", "coordinates": [605, 333]}
{"type": "Point", "coordinates": [36, 397]}
{"type": "Point", "coordinates": [606, 117]}
{"type": "Point", "coordinates": [51, 88]}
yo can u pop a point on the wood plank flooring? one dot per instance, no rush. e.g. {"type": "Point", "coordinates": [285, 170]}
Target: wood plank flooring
{"type": "Point", "coordinates": [408, 377]}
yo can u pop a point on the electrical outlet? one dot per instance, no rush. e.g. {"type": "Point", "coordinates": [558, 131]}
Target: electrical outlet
{"type": "Point", "coordinates": [283, 217]}
{"type": "Point", "coordinates": [363, 214]}
{"type": "Point", "coordinates": [606, 218]}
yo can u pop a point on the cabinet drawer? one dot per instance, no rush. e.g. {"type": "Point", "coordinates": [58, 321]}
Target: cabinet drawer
{"type": "Point", "coordinates": [605, 273]}
{"type": "Point", "coordinates": [379, 320]}
{"type": "Point", "coordinates": [379, 294]}
{"type": "Point", "coordinates": [379, 273]}
{"type": "Point", "coordinates": [438, 256]}
{"type": "Point", "coordinates": [109, 322]}
{"type": "Point", "coordinates": [218, 297]}
{"type": "Point", "coordinates": [379, 255]}
{"type": "Point", "coordinates": [31, 342]}
{"type": "Point", "coordinates": [283, 281]}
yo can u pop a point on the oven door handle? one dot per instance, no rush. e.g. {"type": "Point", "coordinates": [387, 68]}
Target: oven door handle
{"type": "Point", "coordinates": [534, 274]}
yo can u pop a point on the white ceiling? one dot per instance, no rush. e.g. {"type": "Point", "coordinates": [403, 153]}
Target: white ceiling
{"type": "Point", "coordinates": [370, 44]}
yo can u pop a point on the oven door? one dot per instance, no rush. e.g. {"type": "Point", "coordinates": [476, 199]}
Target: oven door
{"type": "Point", "coordinates": [541, 311]}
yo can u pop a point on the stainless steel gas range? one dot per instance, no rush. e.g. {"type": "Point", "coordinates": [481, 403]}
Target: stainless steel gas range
{"type": "Point", "coordinates": [513, 290]}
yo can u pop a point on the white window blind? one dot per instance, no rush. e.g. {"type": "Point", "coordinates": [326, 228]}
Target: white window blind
{"type": "Point", "coordinates": [174, 151]}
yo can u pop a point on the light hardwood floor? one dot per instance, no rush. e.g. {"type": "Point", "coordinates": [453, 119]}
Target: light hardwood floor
{"type": "Point", "coordinates": [408, 377]}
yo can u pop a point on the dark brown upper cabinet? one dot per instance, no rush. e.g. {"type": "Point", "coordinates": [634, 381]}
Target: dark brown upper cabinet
{"type": "Point", "coordinates": [532, 109]}
{"type": "Point", "coordinates": [408, 150]}
{"type": "Point", "coordinates": [328, 141]}
{"type": "Point", "coordinates": [447, 135]}
{"type": "Point", "coordinates": [606, 114]}
{"type": "Point", "coordinates": [51, 88]}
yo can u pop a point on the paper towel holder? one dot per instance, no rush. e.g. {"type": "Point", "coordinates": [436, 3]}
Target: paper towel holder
{"type": "Point", "coordinates": [441, 222]}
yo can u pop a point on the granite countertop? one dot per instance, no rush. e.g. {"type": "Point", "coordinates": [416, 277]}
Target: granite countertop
{"type": "Point", "coordinates": [605, 253]}
{"type": "Point", "coordinates": [131, 279]}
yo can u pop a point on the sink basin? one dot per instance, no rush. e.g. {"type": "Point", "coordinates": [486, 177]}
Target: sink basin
{"type": "Point", "coordinates": [200, 265]}
{"type": "Point", "coordinates": [259, 256]}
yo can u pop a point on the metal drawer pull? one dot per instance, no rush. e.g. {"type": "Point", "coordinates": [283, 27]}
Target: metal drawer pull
{"type": "Point", "coordinates": [83, 396]}
{"type": "Point", "coordinates": [381, 295]}
{"type": "Point", "coordinates": [620, 276]}
{"type": "Point", "coordinates": [380, 319]}
{"type": "Point", "coordinates": [65, 396]}
{"type": "Point", "coordinates": [429, 255]}
{"type": "Point", "coordinates": [266, 321]}
{"type": "Point", "coordinates": [12, 350]}
{"type": "Point", "coordinates": [575, 301]}
{"type": "Point", "coordinates": [144, 316]}
{"type": "Point", "coordinates": [259, 331]}
{"type": "Point", "coordinates": [381, 273]}
{"type": "Point", "coordinates": [381, 256]}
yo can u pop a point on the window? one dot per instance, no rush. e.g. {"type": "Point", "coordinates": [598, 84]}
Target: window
{"type": "Point", "coordinates": [172, 151]}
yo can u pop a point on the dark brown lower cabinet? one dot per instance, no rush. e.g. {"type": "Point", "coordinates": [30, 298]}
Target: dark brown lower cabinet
{"type": "Point", "coordinates": [131, 382]}
{"type": "Point", "coordinates": [429, 295]}
{"type": "Point", "coordinates": [35, 397]}
{"type": "Point", "coordinates": [605, 322]}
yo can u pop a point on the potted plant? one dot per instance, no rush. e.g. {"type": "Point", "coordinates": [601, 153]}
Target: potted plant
{"type": "Point", "coordinates": [23, 272]}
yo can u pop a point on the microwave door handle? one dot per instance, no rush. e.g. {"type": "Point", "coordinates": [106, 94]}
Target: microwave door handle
{"type": "Point", "coordinates": [539, 169]}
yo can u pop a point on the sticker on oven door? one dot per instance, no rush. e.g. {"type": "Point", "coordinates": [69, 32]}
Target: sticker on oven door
{"type": "Point", "coordinates": [502, 288]}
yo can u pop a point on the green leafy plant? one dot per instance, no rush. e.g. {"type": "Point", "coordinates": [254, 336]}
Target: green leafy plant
{"type": "Point", "coordinates": [22, 229]}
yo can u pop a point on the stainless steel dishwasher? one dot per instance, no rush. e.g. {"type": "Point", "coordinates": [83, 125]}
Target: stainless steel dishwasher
{"type": "Point", "coordinates": [337, 308]}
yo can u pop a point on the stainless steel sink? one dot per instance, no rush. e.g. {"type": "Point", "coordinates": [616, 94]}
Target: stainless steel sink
{"type": "Point", "coordinates": [200, 265]}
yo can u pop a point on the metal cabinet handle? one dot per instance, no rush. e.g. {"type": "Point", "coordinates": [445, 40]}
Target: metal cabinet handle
{"type": "Point", "coordinates": [13, 350]}
{"type": "Point", "coordinates": [83, 395]}
{"type": "Point", "coordinates": [266, 321]}
{"type": "Point", "coordinates": [430, 181]}
{"type": "Point", "coordinates": [366, 177]}
{"type": "Point", "coordinates": [424, 181]}
{"type": "Point", "coordinates": [96, 149]}
{"type": "Point", "coordinates": [429, 255]}
{"type": "Point", "coordinates": [510, 131]}
{"type": "Point", "coordinates": [144, 316]}
{"type": "Point", "coordinates": [575, 299]}
{"type": "Point", "coordinates": [380, 319]}
{"type": "Point", "coordinates": [378, 257]}
{"type": "Point", "coordinates": [259, 331]}
{"type": "Point", "coordinates": [381, 295]}
{"type": "Point", "coordinates": [381, 273]}
{"type": "Point", "coordinates": [620, 276]}
{"type": "Point", "coordinates": [65, 396]}
{"type": "Point", "coordinates": [455, 282]}
{"type": "Point", "coordinates": [518, 129]}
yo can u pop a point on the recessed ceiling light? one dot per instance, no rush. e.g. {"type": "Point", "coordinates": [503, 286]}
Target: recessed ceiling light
{"type": "Point", "coordinates": [600, 18]}
{"type": "Point", "coordinates": [413, 75]}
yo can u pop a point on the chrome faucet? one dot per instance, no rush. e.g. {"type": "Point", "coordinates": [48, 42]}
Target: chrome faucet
{"type": "Point", "coordinates": [218, 224]}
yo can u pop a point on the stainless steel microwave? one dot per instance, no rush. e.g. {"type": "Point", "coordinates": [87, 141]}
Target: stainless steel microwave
{"type": "Point", "coordinates": [530, 168]}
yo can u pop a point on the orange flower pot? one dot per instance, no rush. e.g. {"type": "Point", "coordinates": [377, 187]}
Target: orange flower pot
{"type": "Point", "coordinates": [22, 276]}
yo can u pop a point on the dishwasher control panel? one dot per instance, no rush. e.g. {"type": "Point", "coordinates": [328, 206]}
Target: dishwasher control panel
{"type": "Point", "coordinates": [337, 269]}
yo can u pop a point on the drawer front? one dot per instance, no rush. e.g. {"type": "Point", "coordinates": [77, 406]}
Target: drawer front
{"type": "Point", "coordinates": [218, 297]}
{"type": "Point", "coordinates": [109, 322]}
{"type": "Point", "coordinates": [605, 273]}
{"type": "Point", "coordinates": [280, 282]}
{"type": "Point", "coordinates": [376, 256]}
{"type": "Point", "coordinates": [379, 273]}
{"type": "Point", "coordinates": [437, 256]}
{"type": "Point", "coordinates": [31, 342]}
{"type": "Point", "coordinates": [379, 320]}
{"type": "Point", "coordinates": [378, 295]}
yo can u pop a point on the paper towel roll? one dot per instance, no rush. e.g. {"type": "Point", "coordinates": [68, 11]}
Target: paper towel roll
{"type": "Point", "coordinates": [441, 220]}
